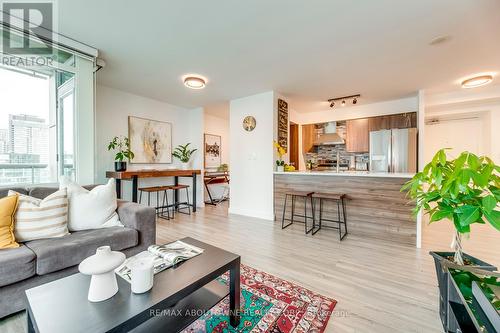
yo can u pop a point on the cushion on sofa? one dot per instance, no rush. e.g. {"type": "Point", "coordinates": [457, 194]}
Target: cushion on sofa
{"type": "Point", "coordinates": [16, 265]}
{"type": "Point", "coordinates": [5, 191]}
{"type": "Point", "coordinates": [54, 254]}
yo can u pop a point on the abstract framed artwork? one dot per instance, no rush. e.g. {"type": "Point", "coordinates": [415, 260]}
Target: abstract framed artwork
{"type": "Point", "coordinates": [212, 150]}
{"type": "Point", "coordinates": [150, 140]}
{"type": "Point", "coordinates": [283, 124]}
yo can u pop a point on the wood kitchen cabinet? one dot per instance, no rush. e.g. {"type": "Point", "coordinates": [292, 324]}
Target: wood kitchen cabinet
{"type": "Point", "coordinates": [357, 135]}
{"type": "Point", "coordinates": [308, 137]}
{"type": "Point", "coordinates": [403, 120]}
{"type": "Point", "coordinates": [379, 123]}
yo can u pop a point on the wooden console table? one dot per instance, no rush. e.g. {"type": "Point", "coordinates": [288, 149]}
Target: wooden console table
{"type": "Point", "coordinates": [134, 175]}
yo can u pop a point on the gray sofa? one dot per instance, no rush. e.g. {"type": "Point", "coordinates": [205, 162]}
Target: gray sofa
{"type": "Point", "coordinates": [41, 261]}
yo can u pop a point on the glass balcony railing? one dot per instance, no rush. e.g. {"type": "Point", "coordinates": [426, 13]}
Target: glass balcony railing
{"type": "Point", "coordinates": [35, 173]}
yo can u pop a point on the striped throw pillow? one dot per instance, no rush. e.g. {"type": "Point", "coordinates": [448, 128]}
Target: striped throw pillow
{"type": "Point", "coordinates": [37, 218]}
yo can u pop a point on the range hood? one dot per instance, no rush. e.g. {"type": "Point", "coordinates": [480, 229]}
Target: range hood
{"type": "Point", "coordinates": [329, 136]}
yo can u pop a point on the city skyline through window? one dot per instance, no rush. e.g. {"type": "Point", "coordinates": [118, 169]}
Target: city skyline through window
{"type": "Point", "coordinates": [29, 129]}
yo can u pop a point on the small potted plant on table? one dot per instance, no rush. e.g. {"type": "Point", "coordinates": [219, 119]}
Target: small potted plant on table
{"type": "Point", "coordinates": [465, 190]}
{"type": "Point", "coordinates": [183, 154]}
{"type": "Point", "coordinates": [280, 163]}
{"type": "Point", "coordinates": [122, 144]}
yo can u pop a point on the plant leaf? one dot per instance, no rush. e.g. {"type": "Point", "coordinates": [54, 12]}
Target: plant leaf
{"type": "Point", "coordinates": [441, 214]}
{"type": "Point", "coordinates": [489, 203]}
{"type": "Point", "coordinates": [468, 214]}
{"type": "Point", "coordinates": [494, 218]}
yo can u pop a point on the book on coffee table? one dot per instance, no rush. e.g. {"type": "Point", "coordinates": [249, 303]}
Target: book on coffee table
{"type": "Point", "coordinates": [164, 256]}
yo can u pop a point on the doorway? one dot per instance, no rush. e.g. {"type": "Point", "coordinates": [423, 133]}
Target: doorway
{"type": "Point", "coordinates": [460, 132]}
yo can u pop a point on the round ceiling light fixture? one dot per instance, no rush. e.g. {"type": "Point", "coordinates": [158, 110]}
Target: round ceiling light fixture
{"type": "Point", "coordinates": [194, 82]}
{"type": "Point", "coordinates": [477, 81]}
{"type": "Point", "coordinates": [440, 40]}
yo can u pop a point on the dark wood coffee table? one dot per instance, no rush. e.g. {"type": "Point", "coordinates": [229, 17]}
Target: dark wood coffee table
{"type": "Point", "coordinates": [179, 296]}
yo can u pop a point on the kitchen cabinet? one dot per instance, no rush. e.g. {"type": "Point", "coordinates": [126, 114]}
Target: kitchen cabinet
{"type": "Point", "coordinates": [308, 137]}
{"type": "Point", "coordinates": [357, 135]}
{"type": "Point", "coordinates": [403, 120]}
{"type": "Point", "coordinates": [379, 123]}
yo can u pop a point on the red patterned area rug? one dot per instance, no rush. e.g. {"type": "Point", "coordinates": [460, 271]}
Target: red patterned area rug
{"type": "Point", "coordinates": [268, 304]}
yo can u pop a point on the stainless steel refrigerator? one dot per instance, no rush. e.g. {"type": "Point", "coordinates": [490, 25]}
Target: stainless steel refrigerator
{"type": "Point", "coordinates": [393, 150]}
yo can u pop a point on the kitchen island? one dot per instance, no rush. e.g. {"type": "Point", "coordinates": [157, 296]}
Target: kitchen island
{"type": "Point", "coordinates": [375, 205]}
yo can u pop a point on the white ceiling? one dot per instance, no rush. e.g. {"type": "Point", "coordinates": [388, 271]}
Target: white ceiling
{"type": "Point", "coordinates": [307, 50]}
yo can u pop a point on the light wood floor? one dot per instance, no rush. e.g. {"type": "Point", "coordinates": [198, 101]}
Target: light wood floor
{"type": "Point", "coordinates": [380, 286]}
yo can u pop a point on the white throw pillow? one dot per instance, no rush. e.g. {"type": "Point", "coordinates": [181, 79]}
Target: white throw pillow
{"type": "Point", "coordinates": [91, 209]}
{"type": "Point", "coordinates": [38, 219]}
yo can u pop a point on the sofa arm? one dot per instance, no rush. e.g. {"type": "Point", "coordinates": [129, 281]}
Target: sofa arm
{"type": "Point", "coordinates": [141, 218]}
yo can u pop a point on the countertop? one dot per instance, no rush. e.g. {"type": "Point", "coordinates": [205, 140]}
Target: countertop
{"type": "Point", "coordinates": [347, 174]}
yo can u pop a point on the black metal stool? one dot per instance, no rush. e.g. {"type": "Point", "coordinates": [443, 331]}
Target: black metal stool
{"type": "Point", "coordinates": [160, 209]}
{"type": "Point", "coordinates": [186, 204]}
{"type": "Point", "coordinates": [341, 211]}
{"type": "Point", "coordinates": [301, 195]}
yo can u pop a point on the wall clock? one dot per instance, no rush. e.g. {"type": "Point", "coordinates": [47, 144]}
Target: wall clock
{"type": "Point", "coordinates": [249, 123]}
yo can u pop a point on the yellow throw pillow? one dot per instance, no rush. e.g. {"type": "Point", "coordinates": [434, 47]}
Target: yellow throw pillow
{"type": "Point", "coordinates": [8, 207]}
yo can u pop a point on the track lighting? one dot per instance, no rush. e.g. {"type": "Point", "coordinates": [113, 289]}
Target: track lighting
{"type": "Point", "coordinates": [344, 99]}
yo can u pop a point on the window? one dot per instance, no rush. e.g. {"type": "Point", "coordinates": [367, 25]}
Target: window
{"type": "Point", "coordinates": [36, 134]}
{"type": "Point", "coordinates": [46, 109]}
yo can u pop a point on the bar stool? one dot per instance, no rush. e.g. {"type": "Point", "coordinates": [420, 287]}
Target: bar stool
{"type": "Point", "coordinates": [339, 199]}
{"type": "Point", "coordinates": [160, 209]}
{"type": "Point", "coordinates": [294, 195]}
{"type": "Point", "coordinates": [177, 204]}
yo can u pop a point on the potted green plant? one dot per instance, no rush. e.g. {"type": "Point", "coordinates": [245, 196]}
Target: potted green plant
{"type": "Point", "coordinates": [122, 144]}
{"type": "Point", "coordinates": [183, 154]}
{"type": "Point", "coordinates": [280, 163]}
{"type": "Point", "coordinates": [464, 190]}
{"type": "Point", "coordinates": [223, 167]}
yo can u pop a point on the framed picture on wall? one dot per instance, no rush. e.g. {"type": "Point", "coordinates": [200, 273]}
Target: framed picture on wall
{"type": "Point", "coordinates": [212, 151]}
{"type": "Point", "coordinates": [283, 124]}
{"type": "Point", "coordinates": [150, 140]}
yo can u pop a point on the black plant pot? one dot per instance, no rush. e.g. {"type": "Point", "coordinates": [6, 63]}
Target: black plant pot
{"type": "Point", "coordinates": [120, 166]}
{"type": "Point", "coordinates": [442, 277]}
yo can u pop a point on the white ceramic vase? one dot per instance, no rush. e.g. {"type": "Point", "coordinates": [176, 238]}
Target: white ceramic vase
{"type": "Point", "coordinates": [185, 165]}
{"type": "Point", "coordinates": [102, 266]}
{"type": "Point", "coordinates": [280, 168]}
{"type": "Point", "coordinates": [142, 274]}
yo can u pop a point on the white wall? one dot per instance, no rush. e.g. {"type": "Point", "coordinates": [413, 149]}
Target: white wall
{"type": "Point", "coordinates": [112, 110]}
{"type": "Point", "coordinates": [252, 156]}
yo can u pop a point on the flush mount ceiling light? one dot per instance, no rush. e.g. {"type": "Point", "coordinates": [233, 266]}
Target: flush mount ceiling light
{"type": "Point", "coordinates": [343, 99]}
{"type": "Point", "coordinates": [477, 81]}
{"type": "Point", "coordinates": [439, 40]}
{"type": "Point", "coordinates": [194, 82]}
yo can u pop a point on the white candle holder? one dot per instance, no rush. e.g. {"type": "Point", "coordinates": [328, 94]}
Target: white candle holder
{"type": "Point", "coordinates": [142, 274]}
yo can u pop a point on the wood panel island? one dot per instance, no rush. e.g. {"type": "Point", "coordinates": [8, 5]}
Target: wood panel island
{"type": "Point", "coordinates": [375, 206]}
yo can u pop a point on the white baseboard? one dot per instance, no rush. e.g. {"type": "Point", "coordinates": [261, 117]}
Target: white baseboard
{"type": "Point", "coordinates": [252, 213]}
